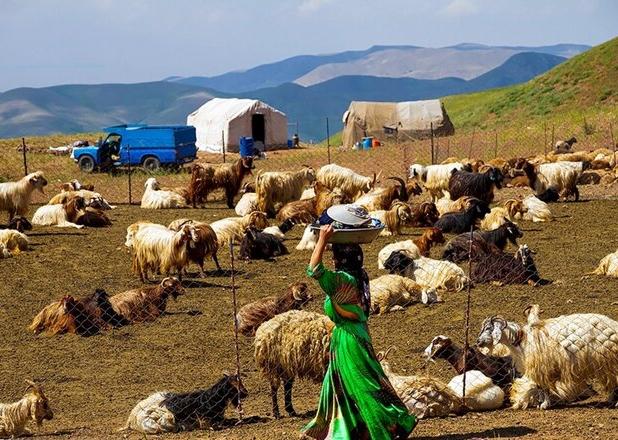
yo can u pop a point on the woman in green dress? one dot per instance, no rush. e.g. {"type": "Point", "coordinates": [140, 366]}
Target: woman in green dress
{"type": "Point", "coordinates": [357, 401]}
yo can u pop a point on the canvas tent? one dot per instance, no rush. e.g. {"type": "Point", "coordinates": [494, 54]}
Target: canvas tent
{"type": "Point", "coordinates": [233, 118]}
{"type": "Point", "coordinates": [405, 120]}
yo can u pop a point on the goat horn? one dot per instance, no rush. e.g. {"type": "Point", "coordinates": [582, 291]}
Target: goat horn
{"type": "Point", "coordinates": [403, 190]}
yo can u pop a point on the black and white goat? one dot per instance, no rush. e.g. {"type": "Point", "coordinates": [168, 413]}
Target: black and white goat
{"type": "Point", "coordinates": [458, 222]}
{"type": "Point", "coordinates": [258, 245]}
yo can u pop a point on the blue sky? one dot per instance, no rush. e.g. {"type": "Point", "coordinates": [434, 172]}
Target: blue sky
{"type": "Point", "coordinates": [47, 42]}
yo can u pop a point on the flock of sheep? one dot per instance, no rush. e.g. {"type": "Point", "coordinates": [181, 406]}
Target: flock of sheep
{"type": "Point", "coordinates": [536, 364]}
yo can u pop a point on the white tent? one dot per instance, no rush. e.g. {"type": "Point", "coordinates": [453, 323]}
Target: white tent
{"type": "Point", "coordinates": [232, 118]}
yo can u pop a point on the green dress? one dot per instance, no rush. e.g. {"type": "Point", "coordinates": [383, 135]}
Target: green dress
{"type": "Point", "coordinates": [357, 401]}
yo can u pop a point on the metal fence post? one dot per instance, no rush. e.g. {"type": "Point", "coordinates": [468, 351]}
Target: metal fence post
{"type": "Point", "coordinates": [471, 143]}
{"type": "Point", "coordinates": [235, 311]}
{"type": "Point", "coordinates": [544, 137]}
{"type": "Point", "coordinates": [223, 144]}
{"type": "Point", "coordinates": [130, 172]}
{"type": "Point", "coordinates": [327, 139]}
{"type": "Point", "coordinates": [496, 144]}
{"type": "Point", "coordinates": [433, 156]}
{"type": "Point", "coordinates": [467, 318]}
{"type": "Point", "coordinates": [611, 135]}
{"type": "Point", "coordinates": [553, 140]}
{"type": "Point", "coordinates": [23, 152]}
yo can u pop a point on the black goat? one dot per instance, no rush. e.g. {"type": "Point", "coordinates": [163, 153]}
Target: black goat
{"type": "Point", "coordinates": [20, 224]}
{"type": "Point", "coordinates": [399, 263]}
{"type": "Point", "coordinates": [256, 245]}
{"type": "Point", "coordinates": [204, 408]}
{"type": "Point", "coordinates": [458, 222]}
{"type": "Point", "coordinates": [550, 195]}
{"type": "Point", "coordinates": [458, 248]}
{"type": "Point", "coordinates": [480, 185]}
{"type": "Point", "coordinates": [503, 268]}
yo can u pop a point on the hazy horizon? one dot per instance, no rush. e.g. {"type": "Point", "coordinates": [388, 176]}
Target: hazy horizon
{"type": "Point", "coordinates": [113, 41]}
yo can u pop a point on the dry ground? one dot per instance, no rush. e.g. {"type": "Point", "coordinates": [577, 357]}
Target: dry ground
{"type": "Point", "coordinates": [94, 382]}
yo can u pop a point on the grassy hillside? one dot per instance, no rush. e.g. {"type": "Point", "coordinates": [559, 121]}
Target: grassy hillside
{"type": "Point", "coordinates": [587, 83]}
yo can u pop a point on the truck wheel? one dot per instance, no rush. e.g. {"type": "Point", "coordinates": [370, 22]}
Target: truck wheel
{"type": "Point", "coordinates": [151, 164]}
{"type": "Point", "coordinates": [86, 164]}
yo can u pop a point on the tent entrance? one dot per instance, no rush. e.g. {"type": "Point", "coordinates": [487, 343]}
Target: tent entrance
{"type": "Point", "coordinates": [258, 128]}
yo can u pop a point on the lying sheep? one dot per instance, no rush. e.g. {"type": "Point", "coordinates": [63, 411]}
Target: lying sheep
{"type": "Point", "coordinates": [13, 241]}
{"type": "Point", "coordinates": [254, 314]}
{"type": "Point", "coordinates": [256, 245]}
{"type": "Point", "coordinates": [429, 273]}
{"type": "Point", "coordinates": [33, 406]}
{"type": "Point", "coordinates": [412, 248]}
{"type": "Point", "coordinates": [147, 303]}
{"type": "Point", "coordinates": [391, 293]}
{"type": "Point", "coordinates": [500, 215]}
{"type": "Point", "coordinates": [233, 228]}
{"type": "Point", "coordinates": [92, 199]}
{"type": "Point", "coordinates": [394, 219]}
{"type": "Point", "coordinates": [156, 198]}
{"type": "Point", "coordinates": [607, 266]}
{"type": "Point", "coordinates": [62, 215]}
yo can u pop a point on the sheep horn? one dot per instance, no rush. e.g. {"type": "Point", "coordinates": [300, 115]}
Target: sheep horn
{"type": "Point", "coordinates": [403, 191]}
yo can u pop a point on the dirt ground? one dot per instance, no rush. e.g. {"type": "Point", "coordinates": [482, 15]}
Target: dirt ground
{"type": "Point", "coordinates": [93, 383]}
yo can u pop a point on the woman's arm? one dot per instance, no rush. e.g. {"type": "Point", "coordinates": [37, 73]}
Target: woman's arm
{"type": "Point", "coordinates": [326, 232]}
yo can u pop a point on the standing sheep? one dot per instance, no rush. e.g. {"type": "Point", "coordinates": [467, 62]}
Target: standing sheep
{"type": "Point", "coordinates": [394, 219]}
{"type": "Point", "coordinates": [479, 185]}
{"type": "Point", "coordinates": [434, 178]}
{"type": "Point", "coordinates": [15, 196]}
{"type": "Point", "coordinates": [276, 188]}
{"type": "Point", "coordinates": [352, 184]}
{"type": "Point", "coordinates": [207, 177]}
{"type": "Point", "coordinates": [204, 244]}
{"type": "Point", "coordinates": [233, 228]}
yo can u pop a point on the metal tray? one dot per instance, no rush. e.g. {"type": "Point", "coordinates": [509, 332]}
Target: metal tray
{"type": "Point", "coordinates": [357, 235]}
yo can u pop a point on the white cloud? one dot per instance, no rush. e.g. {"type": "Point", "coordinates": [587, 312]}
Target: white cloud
{"type": "Point", "coordinates": [457, 8]}
{"type": "Point", "coordinates": [311, 5]}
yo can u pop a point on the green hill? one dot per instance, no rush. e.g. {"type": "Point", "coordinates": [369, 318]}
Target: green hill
{"type": "Point", "coordinates": [587, 83]}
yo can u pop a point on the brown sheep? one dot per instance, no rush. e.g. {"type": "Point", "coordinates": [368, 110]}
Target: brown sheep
{"type": "Point", "coordinates": [204, 245]}
{"type": "Point", "coordinates": [308, 210]}
{"type": "Point", "coordinates": [425, 214]}
{"type": "Point", "coordinates": [430, 237]}
{"type": "Point", "coordinates": [252, 315]}
{"type": "Point", "coordinates": [146, 303]}
{"type": "Point", "coordinates": [207, 177]}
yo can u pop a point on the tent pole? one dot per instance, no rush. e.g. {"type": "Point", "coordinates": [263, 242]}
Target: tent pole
{"type": "Point", "coordinates": [223, 144]}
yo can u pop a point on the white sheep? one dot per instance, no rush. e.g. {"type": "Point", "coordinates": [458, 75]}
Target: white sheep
{"type": "Point", "coordinates": [233, 228]}
{"type": "Point", "coordinates": [559, 356]}
{"type": "Point", "coordinates": [607, 266]}
{"type": "Point", "coordinates": [4, 252]}
{"type": "Point", "coordinates": [352, 184]}
{"type": "Point", "coordinates": [437, 274]}
{"type": "Point", "coordinates": [536, 210]}
{"type": "Point", "coordinates": [62, 215]}
{"type": "Point", "coordinates": [92, 198]}
{"type": "Point", "coordinates": [434, 178]}
{"type": "Point", "coordinates": [15, 196]}
{"type": "Point", "coordinates": [407, 247]}
{"type": "Point", "coordinates": [481, 393]}
{"type": "Point", "coordinates": [445, 205]}
{"type": "Point", "coordinates": [156, 198]}
{"type": "Point", "coordinates": [34, 406]}
{"type": "Point", "coordinates": [247, 204]}
{"type": "Point", "coordinates": [392, 292]}
{"type": "Point", "coordinates": [308, 240]}
{"type": "Point", "coordinates": [134, 227]}
{"type": "Point", "coordinates": [292, 345]}
{"type": "Point", "coordinates": [276, 188]}
{"type": "Point", "coordinates": [561, 176]}
{"type": "Point", "coordinates": [13, 241]}
{"type": "Point", "coordinates": [500, 215]}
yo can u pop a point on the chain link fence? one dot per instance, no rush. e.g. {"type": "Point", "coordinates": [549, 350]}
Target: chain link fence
{"type": "Point", "coordinates": [227, 332]}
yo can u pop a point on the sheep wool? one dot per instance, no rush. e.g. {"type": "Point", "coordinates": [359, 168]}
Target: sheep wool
{"type": "Point", "coordinates": [481, 393]}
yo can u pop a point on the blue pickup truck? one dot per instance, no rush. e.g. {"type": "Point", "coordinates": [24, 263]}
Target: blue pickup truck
{"type": "Point", "coordinates": [148, 146]}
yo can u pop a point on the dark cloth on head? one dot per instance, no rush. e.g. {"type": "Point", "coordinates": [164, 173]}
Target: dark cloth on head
{"type": "Point", "coordinates": [349, 258]}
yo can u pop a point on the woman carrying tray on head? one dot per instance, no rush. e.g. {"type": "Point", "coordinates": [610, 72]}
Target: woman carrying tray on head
{"type": "Point", "coordinates": [357, 401]}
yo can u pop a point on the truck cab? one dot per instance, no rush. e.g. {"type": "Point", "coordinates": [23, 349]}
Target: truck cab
{"type": "Point", "coordinates": [150, 147]}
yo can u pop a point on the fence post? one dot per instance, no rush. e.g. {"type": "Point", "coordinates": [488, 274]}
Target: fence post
{"type": "Point", "coordinates": [433, 157]}
{"type": "Point", "coordinates": [553, 140]}
{"type": "Point", "coordinates": [223, 144]}
{"type": "Point", "coordinates": [544, 137]}
{"type": "Point", "coordinates": [467, 318]}
{"type": "Point", "coordinates": [23, 152]}
{"type": "Point", "coordinates": [611, 135]}
{"type": "Point", "coordinates": [448, 146]}
{"type": "Point", "coordinates": [327, 139]}
{"type": "Point", "coordinates": [235, 311]}
{"type": "Point", "coordinates": [496, 144]}
{"type": "Point", "coordinates": [471, 143]}
{"type": "Point", "coordinates": [130, 172]}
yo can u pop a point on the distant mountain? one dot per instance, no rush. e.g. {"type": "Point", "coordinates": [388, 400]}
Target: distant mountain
{"type": "Point", "coordinates": [465, 61]}
{"type": "Point", "coordinates": [586, 82]}
{"type": "Point", "coordinates": [78, 108]}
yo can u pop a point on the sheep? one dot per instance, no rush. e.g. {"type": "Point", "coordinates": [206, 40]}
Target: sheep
{"type": "Point", "coordinates": [479, 185]}
{"type": "Point", "coordinates": [536, 210]}
{"type": "Point", "coordinates": [382, 198]}
{"type": "Point", "coordinates": [291, 345]}
{"type": "Point", "coordinates": [412, 248]}
{"type": "Point", "coordinates": [561, 176]}
{"type": "Point", "coordinates": [434, 178]}
{"type": "Point", "coordinates": [276, 188]}
{"type": "Point", "coordinates": [247, 204]}
{"type": "Point", "coordinates": [14, 241]}
{"type": "Point", "coordinates": [607, 266]}
{"type": "Point", "coordinates": [444, 205]}
{"type": "Point", "coordinates": [92, 217]}
{"type": "Point", "coordinates": [233, 228]}
{"type": "Point", "coordinates": [134, 227]}
{"type": "Point", "coordinates": [93, 199]}
{"type": "Point", "coordinates": [256, 245]}
{"type": "Point", "coordinates": [204, 243]}
{"type": "Point", "coordinates": [147, 303]}
{"type": "Point", "coordinates": [429, 273]}
{"type": "Point", "coordinates": [398, 215]}
{"type": "Point", "coordinates": [308, 210]}
{"type": "Point", "coordinates": [500, 268]}
{"type": "Point", "coordinates": [391, 293]}
{"type": "Point", "coordinates": [33, 406]}
{"type": "Point", "coordinates": [15, 196]}
{"type": "Point", "coordinates": [308, 240]}
{"type": "Point", "coordinates": [458, 222]}
{"type": "Point", "coordinates": [559, 356]}
{"type": "Point", "coordinates": [352, 184]}
{"type": "Point", "coordinates": [500, 215]}
{"type": "Point", "coordinates": [175, 412]}
{"type": "Point", "coordinates": [61, 215]}
{"type": "Point", "coordinates": [156, 198]}
{"type": "Point", "coordinates": [480, 392]}
{"type": "Point", "coordinates": [4, 252]}
{"type": "Point", "coordinates": [425, 214]}
{"type": "Point", "coordinates": [19, 223]}
{"type": "Point", "coordinates": [254, 314]}
{"type": "Point", "coordinates": [86, 316]}
{"type": "Point", "coordinates": [76, 185]}
{"type": "Point", "coordinates": [564, 146]}
{"type": "Point", "coordinates": [206, 178]}
{"type": "Point", "coordinates": [460, 249]}
{"type": "Point", "coordinates": [156, 249]}
{"type": "Point", "coordinates": [423, 396]}
{"type": "Point", "coordinates": [500, 370]}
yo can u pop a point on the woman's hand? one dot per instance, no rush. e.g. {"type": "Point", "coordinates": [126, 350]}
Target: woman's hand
{"type": "Point", "coordinates": [326, 232]}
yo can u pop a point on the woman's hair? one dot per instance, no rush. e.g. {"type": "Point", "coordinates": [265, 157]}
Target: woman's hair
{"type": "Point", "coordinates": [349, 258]}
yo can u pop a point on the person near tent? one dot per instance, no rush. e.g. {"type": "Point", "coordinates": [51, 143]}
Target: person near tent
{"type": "Point", "coordinates": [295, 140]}
{"type": "Point", "coordinates": [357, 400]}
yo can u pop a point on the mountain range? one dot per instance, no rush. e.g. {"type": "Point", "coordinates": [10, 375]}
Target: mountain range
{"type": "Point", "coordinates": [80, 108]}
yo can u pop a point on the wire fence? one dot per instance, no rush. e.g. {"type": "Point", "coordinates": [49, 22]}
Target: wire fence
{"type": "Point", "coordinates": [225, 326]}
